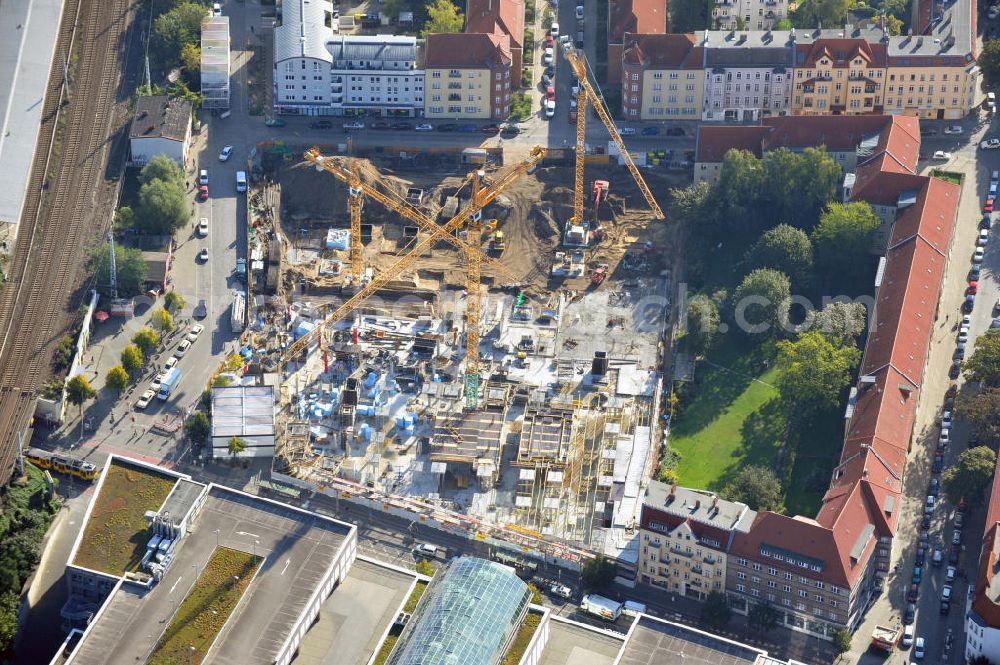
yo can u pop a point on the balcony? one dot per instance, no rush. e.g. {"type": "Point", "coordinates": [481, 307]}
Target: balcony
{"type": "Point", "coordinates": [454, 86]}
{"type": "Point", "coordinates": [677, 550]}
{"type": "Point", "coordinates": [454, 74]}
{"type": "Point", "coordinates": [697, 569]}
{"type": "Point", "coordinates": [454, 98]}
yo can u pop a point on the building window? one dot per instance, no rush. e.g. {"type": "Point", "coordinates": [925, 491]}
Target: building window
{"type": "Point", "coordinates": [635, 77]}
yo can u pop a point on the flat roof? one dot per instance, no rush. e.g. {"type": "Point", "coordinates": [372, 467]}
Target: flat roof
{"type": "Point", "coordinates": [28, 35]}
{"type": "Point", "coordinates": [298, 546]}
{"type": "Point", "coordinates": [572, 643]}
{"type": "Point", "coordinates": [653, 642]}
{"type": "Point", "coordinates": [351, 622]}
{"type": "Point", "coordinates": [243, 411]}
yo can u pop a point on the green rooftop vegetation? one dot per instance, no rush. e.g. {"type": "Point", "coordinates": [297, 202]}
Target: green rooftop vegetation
{"type": "Point", "coordinates": [206, 608]}
{"type": "Point", "coordinates": [390, 639]}
{"type": "Point", "coordinates": [523, 638]}
{"type": "Point", "coordinates": [114, 540]}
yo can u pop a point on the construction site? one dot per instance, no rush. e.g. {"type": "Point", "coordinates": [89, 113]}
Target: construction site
{"type": "Point", "coordinates": [483, 337]}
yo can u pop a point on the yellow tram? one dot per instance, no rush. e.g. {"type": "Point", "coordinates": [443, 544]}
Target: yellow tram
{"type": "Point", "coordinates": [61, 464]}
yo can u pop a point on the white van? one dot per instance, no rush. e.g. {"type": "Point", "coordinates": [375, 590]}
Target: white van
{"type": "Point", "coordinates": [241, 181]}
{"type": "Point", "coordinates": [426, 550]}
{"type": "Point", "coordinates": [632, 608]}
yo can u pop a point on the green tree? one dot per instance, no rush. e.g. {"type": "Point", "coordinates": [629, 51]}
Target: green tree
{"type": "Point", "coordinates": [757, 486]}
{"type": "Point", "coordinates": [693, 206]}
{"type": "Point", "coordinates": [236, 446]}
{"type": "Point", "coordinates": [131, 267]}
{"type": "Point", "coordinates": [762, 618]}
{"type": "Point", "coordinates": [132, 359]}
{"type": "Point", "coordinates": [783, 248]}
{"type": "Point", "coordinates": [9, 603]}
{"type": "Point", "coordinates": [173, 301]}
{"type": "Point", "coordinates": [520, 107]}
{"type": "Point", "coordinates": [124, 218]}
{"type": "Point", "coordinates": [173, 30]}
{"type": "Point", "coordinates": [984, 363]}
{"type": "Point", "coordinates": [442, 16]}
{"type": "Point", "coordinates": [715, 610]}
{"type": "Point", "coordinates": [163, 168]}
{"type": "Point", "coordinates": [783, 24]}
{"type": "Point", "coordinates": [163, 207]}
{"type": "Point", "coordinates": [597, 574]}
{"type": "Point", "coordinates": [702, 323]}
{"type": "Point", "coordinates": [425, 567]}
{"type": "Point", "coordinates": [690, 15]}
{"type": "Point", "coordinates": [828, 13]}
{"type": "Point", "coordinates": [989, 62]}
{"type": "Point", "coordinates": [844, 236]}
{"type": "Point", "coordinates": [117, 379]}
{"type": "Point", "coordinates": [982, 412]}
{"type": "Point", "coordinates": [893, 25]}
{"type": "Point", "coordinates": [841, 322]}
{"type": "Point", "coordinates": [148, 341]}
{"type": "Point", "coordinates": [162, 320]}
{"type": "Point", "coordinates": [761, 301]}
{"type": "Point", "coordinates": [191, 59]}
{"type": "Point", "coordinates": [198, 427]}
{"type": "Point", "coordinates": [738, 190]}
{"type": "Point", "coordinates": [79, 390]}
{"type": "Point", "coordinates": [970, 476]}
{"type": "Point", "coordinates": [813, 370]}
{"type": "Point", "coordinates": [842, 641]}
{"type": "Point", "coordinates": [799, 185]}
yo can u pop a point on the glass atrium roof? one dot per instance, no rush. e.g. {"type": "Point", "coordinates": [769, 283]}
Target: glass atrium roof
{"type": "Point", "coordinates": [467, 616]}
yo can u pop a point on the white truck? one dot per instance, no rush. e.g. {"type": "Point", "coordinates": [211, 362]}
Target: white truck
{"type": "Point", "coordinates": [602, 607]}
{"type": "Point", "coordinates": [237, 315]}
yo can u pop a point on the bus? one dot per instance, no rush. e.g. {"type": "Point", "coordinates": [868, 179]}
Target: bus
{"type": "Point", "coordinates": [61, 464]}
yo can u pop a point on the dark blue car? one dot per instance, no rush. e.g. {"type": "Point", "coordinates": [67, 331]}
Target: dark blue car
{"type": "Point", "coordinates": [650, 131]}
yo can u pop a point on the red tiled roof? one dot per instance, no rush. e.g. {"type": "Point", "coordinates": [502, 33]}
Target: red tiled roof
{"type": "Point", "coordinates": [501, 17]}
{"type": "Point", "coordinates": [982, 602]}
{"type": "Point", "coordinates": [637, 16]}
{"type": "Point", "coordinates": [931, 217]}
{"type": "Point", "coordinates": [904, 310]}
{"type": "Point", "coordinates": [655, 51]}
{"type": "Point", "coordinates": [883, 417]}
{"type": "Point", "coordinates": [467, 50]}
{"type": "Point", "coordinates": [714, 141]}
{"type": "Point", "coordinates": [840, 52]}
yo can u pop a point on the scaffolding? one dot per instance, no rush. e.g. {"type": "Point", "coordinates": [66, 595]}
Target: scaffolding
{"type": "Point", "coordinates": [215, 62]}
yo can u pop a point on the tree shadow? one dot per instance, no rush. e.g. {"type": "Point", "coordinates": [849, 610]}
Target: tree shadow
{"type": "Point", "coordinates": [762, 433]}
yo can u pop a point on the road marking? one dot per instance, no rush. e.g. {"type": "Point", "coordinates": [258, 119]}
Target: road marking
{"type": "Point", "coordinates": [287, 561]}
{"type": "Point", "coordinates": [247, 533]}
{"type": "Point", "coordinates": [175, 585]}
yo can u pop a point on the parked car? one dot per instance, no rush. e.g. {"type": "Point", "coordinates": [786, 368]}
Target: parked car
{"type": "Point", "coordinates": [986, 222]}
{"type": "Point", "coordinates": [959, 520]}
{"type": "Point", "coordinates": [203, 193]}
{"type": "Point", "coordinates": [918, 648]}
{"type": "Point", "coordinates": [491, 130]}
{"type": "Point", "coordinates": [955, 371]}
{"type": "Point", "coordinates": [321, 124]}
{"type": "Point", "coordinates": [381, 124]}
{"type": "Point", "coordinates": [182, 348]}
{"type": "Point", "coordinates": [990, 144]}
{"type": "Point", "coordinates": [972, 288]}
{"type": "Point", "coordinates": [203, 227]}
{"type": "Point", "coordinates": [953, 553]}
{"type": "Point", "coordinates": [401, 126]}
{"type": "Point", "coordinates": [468, 128]}
{"type": "Point", "coordinates": [953, 129]}
{"type": "Point", "coordinates": [626, 131]}
{"type": "Point", "coordinates": [918, 574]}
{"type": "Point", "coordinates": [170, 364]}
{"type": "Point", "coordinates": [988, 206]}
{"type": "Point", "coordinates": [447, 127]}
{"type": "Point", "coordinates": [203, 254]}
{"type": "Point", "coordinates": [929, 505]}
{"type": "Point", "coordinates": [913, 593]}
{"type": "Point", "coordinates": [984, 237]}
{"type": "Point", "coordinates": [978, 255]}
{"type": "Point", "coordinates": [650, 131]}
{"type": "Point", "coordinates": [925, 522]}
{"type": "Point", "coordinates": [554, 30]}
{"type": "Point", "coordinates": [561, 590]}
{"type": "Point", "coordinates": [550, 92]}
{"type": "Point", "coordinates": [226, 152]}
{"type": "Point", "coordinates": [548, 55]}
{"type": "Point", "coordinates": [579, 12]}
{"type": "Point", "coordinates": [946, 415]}
{"type": "Point", "coordinates": [550, 108]}
{"type": "Point", "coordinates": [970, 302]}
{"type": "Point", "coordinates": [424, 127]}
{"type": "Point", "coordinates": [937, 558]}
{"type": "Point", "coordinates": [357, 124]}
{"type": "Point", "coordinates": [941, 156]}
{"type": "Point", "coordinates": [274, 122]}
{"type": "Point", "coordinates": [949, 575]}
{"type": "Point", "coordinates": [510, 130]}
{"type": "Point", "coordinates": [196, 330]}
{"type": "Point", "coordinates": [945, 436]}
{"type": "Point", "coordinates": [909, 614]}
{"type": "Point", "coordinates": [921, 555]}
{"type": "Point", "coordinates": [907, 640]}
{"type": "Point", "coordinates": [933, 488]}
{"type": "Point", "coordinates": [956, 537]}
{"type": "Point", "coordinates": [938, 465]}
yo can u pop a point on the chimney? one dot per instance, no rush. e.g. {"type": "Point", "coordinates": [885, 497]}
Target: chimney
{"type": "Point", "coordinates": [697, 504]}
{"type": "Point", "coordinates": [715, 501]}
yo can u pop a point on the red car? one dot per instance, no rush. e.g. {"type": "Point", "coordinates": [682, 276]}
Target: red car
{"type": "Point", "coordinates": [550, 41]}
{"type": "Point", "coordinates": [492, 130]}
{"type": "Point", "coordinates": [988, 206]}
{"type": "Point", "coordinates": [973, 288]}
{"type": "Point", "coordinates": [203, 193]}
{"type": "Point", "coordinates": [550, 93]}
{"type": "Point", "coordinates": [572, 116]}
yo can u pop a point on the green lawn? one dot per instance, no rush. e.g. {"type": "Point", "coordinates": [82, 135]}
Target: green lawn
{"type": "Point", "coordinates": [733, 418]}
{"type": "Point", "coordinates": [815, 456]}
{"type": "Point", "coordinates": [114, 540]}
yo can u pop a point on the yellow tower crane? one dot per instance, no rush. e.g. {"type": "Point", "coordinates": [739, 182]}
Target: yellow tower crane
{"type": "Point", "coordinates": [473, 252]}
{"type": "Point", "coordinates": [481, 197]}
{"type": "Point", "coordinates": [578, 62]}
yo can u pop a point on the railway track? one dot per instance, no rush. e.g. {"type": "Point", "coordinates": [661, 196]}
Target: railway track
{"type": "Point", "coordinates": [58, 221]}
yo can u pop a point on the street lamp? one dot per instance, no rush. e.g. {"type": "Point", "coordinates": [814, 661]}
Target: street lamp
{"type": "Point", "coordinates": [254, 547]}
{"type": "Point", "coordinates": [217, 532]}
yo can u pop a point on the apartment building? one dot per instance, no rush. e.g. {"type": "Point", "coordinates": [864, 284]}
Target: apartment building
{"type": "Point", "coordinates": [468, 75]}
{"type": "Point", "coordinates": [635, 17]}
{"type": "Point", "coordinates": [662, 77]}
{"type": "Point", "coordinates": [748, 75]}
{"type": "Point", "coordinates": [685, 536]}
{"type": "Point", "coordinates": [982, 623]}
{"type": "Point", "coordinates": [502, 18]}
{"type": "Point", "coordinates": [376, 75]}
{"type": "Point", "coordinates": [839, 76]}
{"type": "Point", "coordinates": [748, 14]}
{"type": "Point", "coordinates": [851, 141]}
{"type": "Point", "coordinates": [301, 76]}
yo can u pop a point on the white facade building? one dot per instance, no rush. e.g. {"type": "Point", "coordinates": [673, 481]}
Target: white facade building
{"type": "Point", "coordinates": [215, 62]}
{"type": "Point", "coordinates": [376, 75]}
{"type": "Point", "coordinates": [748, 75]}
{"type": "Point", "coordinates": [754, 14]}
{"type": "Point", "coordinates": [161, 126]}
{"type": "Point", "coordinates": [301, 81]}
